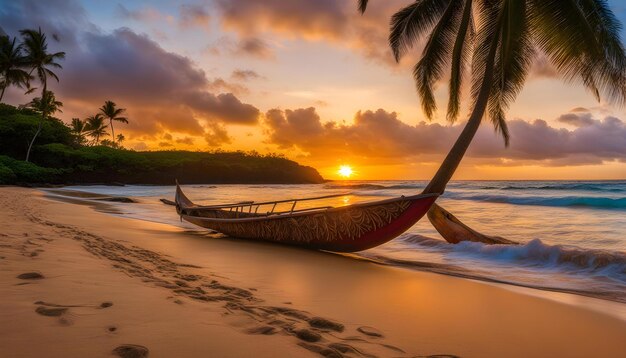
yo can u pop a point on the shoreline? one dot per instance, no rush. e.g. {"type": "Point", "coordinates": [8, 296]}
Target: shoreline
{"type": "Point", "coordinates": [611, 304]}
{"type": "Point", "coordinates": [255, 286]}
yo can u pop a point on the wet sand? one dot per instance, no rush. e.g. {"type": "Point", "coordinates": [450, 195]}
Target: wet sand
{"type": "Point", "coordinates": [75, 283]}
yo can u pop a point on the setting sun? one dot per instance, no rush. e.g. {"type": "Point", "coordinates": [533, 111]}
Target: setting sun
{"type": "Point", "coordinates": [345, 171]}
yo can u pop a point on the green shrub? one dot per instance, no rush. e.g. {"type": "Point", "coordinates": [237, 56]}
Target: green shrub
{"type": "Point", "coordinates": [6, 175]}
{"type": "Point", "coordinates": [24, 172]}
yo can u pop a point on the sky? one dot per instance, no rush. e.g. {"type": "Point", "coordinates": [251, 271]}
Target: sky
{"type": "Point", "coordinates": [312, 80]}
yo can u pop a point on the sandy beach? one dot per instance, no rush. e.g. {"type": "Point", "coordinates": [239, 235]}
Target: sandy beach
{"type": "Point", "coordinates": [81, 283]}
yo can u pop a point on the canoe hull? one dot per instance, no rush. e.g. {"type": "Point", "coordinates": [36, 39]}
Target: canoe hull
{"type": "Point", "coordinates": [344, 229]}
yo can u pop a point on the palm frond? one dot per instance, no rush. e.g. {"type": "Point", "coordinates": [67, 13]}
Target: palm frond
{"type": "Point", "coordinates": [362, 5]}
{"type": "Point", "coordinates": [581, 39]}
{"type": "Point", "coordinates": [410, 23]}
{"type": "Point", "coordinates": [488, 20]}
{"type": "Point", "coordinates": [513, 61]}
{"type": "Point", "coordinates": [436, 56]}
{"type": "Point", "coordinates": [459, 61]}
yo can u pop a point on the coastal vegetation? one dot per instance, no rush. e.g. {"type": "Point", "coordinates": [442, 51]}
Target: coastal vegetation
{"type": "Point", "coordinates": [62, 156]}
{"type": "Point", "coordinates": [57, 153]}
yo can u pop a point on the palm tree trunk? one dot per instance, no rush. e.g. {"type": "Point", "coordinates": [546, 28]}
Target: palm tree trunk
{"type": "Point", "coordinates": [2, 94]}
{"type": "Point", "coordinates": [43, 115]}
{"type": "Point", "coordinates": [32, 141]}
{"type": "Point", "coordinates": [438, 183]}
{"type": "Point", "coordinates": [112, 131]}
{"type": "Point", "coordinates": [448, 226]}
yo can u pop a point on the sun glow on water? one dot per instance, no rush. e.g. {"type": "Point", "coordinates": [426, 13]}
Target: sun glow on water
{"type": "Point", "coordinates": [345, 171]}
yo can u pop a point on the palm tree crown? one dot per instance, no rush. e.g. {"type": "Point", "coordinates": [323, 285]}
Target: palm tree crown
{"type": "Point", "coordinates": [36, 48]}
{"type": "Point", "coordinates": [95, 127]}
{"type": "Point", "coordinates": [46, 105]}
{"type": "Point", "coordinates": [78, 128]}
{"type": "Point", "coordinates": [497, 40]}
{"type": "Point", "coordinates": [110, 111]}
{"type": "Point", "coordinates": [12, 65]}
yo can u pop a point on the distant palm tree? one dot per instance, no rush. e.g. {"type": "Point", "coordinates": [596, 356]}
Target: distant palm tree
{"type": "Point", "coordinates": [110, 111]}
{"type": "Point", "coordinates": [39, 60]}
{"type": "Point", "coordinates": [120, 138]}
{"type": "Point", "coordinates": [78, 128]}
{"type": "Point", "coordinates": [95, 127]}
{"type": "Point", "coordinates": [35, 45]}
{"type": "Point", "coordinates": [12, 65]}
{"type": "Point", "coordinates": [46, 105]}
{"type": "Point", "coordinates": [498, 40]}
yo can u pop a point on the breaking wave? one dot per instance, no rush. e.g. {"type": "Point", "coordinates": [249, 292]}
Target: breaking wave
{"type": "Point", "coordinates": [535, 254]}
{"type": "Point", "coordinates": [601, 187]}
{"type": "Point", "coordinates": [563, 201]}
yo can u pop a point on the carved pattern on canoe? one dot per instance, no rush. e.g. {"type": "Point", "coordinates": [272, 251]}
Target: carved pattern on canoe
{"type": "Point", "coordinates": [324, 226]}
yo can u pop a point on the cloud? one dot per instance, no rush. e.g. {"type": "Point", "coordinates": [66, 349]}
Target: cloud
{"type": "Point", "coordinates": [577, 119]}
{"type": "Point", "coordinates": [381, 137]}
{"type": "Point", "coordinates": [245, 75]}
{"type": "Point", "coordinates": [216, 135]}
{"type": "Point", "coordinates": [193, 15]}
{"type": "Point", "coordinates": [185, 140]}
{"type": "Point", "coordinates": [337, 22]}
{"type": "Point", "coordinates": [255, 47]}
{"type": "Point", "coordinates": [135, 68]}
{"type": "Point", "coordinates": [145, 14]}
{"type": "Point", "coordinates": [219, 84]}
{"type": "Point", "coordinates": [163, 91]}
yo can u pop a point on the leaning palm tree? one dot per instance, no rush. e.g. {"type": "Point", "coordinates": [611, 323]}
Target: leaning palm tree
{"type": "Point", "coordinates": [498, 40]}
{"type": "Point", "coordinates": [112, 113]}
{"type": "Point", "coordinates": [39, 60]}
{"type": "Point", "coordinates": [96, 127]}
{"type": "Point", "coordinates": [12, 65]}
{"type": "Point", "coordinates": [46, 105]}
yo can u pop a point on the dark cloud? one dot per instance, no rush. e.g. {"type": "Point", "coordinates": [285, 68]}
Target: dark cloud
{"type": "Point", "coordinates": [381, 136]}
{"type": "Point", "coordinates": [577, 119]}
{"type": "Point", "coordinates": [245, 75]}
{"type": "Point", "coordinates": [57, 18]}
{"type": "Point", "coordinates": [254, 46]}
{"type": "Point", "coordinates": [224, 106]}
{"type": "Point", "coordinates": [219, 84]}
{"type": "Point", "coordinates": [216, 135]}
{"type": "Point", "coordinates": [335, 21]}
{"type": "Point", "coordinates": [163, 91]}
{"type": "Point", "coordinates": [185, 140]}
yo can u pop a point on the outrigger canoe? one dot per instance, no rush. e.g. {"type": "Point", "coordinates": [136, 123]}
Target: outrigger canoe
{"type": "Point", "coordinates": [348, 228]}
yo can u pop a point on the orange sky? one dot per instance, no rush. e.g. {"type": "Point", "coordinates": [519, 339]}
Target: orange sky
{"type": "Point", "coordinates": [313, 80]}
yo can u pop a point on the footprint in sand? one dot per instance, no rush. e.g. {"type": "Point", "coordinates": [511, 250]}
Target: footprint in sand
{"type": "Point", "coordinates": [325, 324]}
{"type": "Point", "coordinates": [51, 311]}
{"type": "Point", "coordinates": [30, 276]}
{"type": "Point", "coordinates": [131, 351]}
{"type": "Point", "coordinates": [370, 331]}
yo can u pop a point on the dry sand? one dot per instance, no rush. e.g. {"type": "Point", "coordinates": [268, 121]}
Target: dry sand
{"type": "Point", "coordinates": [79, 283]}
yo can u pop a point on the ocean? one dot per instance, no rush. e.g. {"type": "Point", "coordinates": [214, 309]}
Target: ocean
{"type": "Point", "coordinates": [572, 233]}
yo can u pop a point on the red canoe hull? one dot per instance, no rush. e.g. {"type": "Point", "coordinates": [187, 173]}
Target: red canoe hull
{"type": "Point", "coordinates": [344, 229]}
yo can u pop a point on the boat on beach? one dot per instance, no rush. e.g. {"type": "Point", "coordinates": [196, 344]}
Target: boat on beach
{"type": "Point", "coordinates": [347, 228]}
